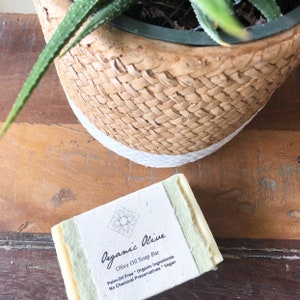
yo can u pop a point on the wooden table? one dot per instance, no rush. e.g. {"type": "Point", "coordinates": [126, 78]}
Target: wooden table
{"type": "Point", "coordinates": [52, 169]}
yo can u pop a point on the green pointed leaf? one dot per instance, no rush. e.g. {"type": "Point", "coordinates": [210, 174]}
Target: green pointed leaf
{"type": "Point", "coordinates": [207, 25]}
{"type": "Point", "coordinates": [268, 8]}
{"type": "Point", "coordinates": [219, 12]}
{"type": "Point", "coordinates": [105, 14]}
{"type": "Point", "coordinates": [77, 14]}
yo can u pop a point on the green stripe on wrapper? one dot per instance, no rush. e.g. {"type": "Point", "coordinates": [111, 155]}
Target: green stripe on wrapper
{"type": "Point", "coordinates": [190, 217]}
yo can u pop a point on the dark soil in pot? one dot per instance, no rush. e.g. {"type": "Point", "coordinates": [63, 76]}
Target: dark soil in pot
{"type": "Point", "coordinates": [178, 14]}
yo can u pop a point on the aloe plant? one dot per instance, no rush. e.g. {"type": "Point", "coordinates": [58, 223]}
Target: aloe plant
{"type": "Point", "coordinates": [210, 15]}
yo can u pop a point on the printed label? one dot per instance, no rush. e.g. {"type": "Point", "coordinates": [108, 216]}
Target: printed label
{"type": "Point", "coordinates": [135, 246]}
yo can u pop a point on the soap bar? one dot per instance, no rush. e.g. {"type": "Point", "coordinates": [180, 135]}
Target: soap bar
{"type": "Point", "coordinates": [136, 246]}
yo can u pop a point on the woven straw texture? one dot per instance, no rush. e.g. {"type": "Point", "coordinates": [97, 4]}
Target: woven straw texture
{"type": "Point", "coordinates": [166, 98]}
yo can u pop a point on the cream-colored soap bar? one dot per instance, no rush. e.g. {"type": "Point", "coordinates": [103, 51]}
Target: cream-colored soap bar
{"type": "Point", "coordinates": [136, 246]}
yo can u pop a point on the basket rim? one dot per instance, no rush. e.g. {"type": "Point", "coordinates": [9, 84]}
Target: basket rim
{"type": "Point", "coordinates": [194, 38]}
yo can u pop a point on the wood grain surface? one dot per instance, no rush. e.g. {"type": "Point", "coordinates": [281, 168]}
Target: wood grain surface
{"type": "Point", "coordinates": [252, 269]}
{"type": "Point", "coordinates": [52, 169]}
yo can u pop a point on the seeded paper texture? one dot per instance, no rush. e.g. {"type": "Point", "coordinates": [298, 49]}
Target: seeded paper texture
{"type": "Point", "coordinates": [135, 247]}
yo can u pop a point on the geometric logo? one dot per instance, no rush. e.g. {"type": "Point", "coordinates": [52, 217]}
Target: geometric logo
{"type": "Point", "coordinates": [123, 221]}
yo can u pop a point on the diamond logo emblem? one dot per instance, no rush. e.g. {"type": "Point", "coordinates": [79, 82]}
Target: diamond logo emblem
{"type": "Point", "coordinates": [123, 221]}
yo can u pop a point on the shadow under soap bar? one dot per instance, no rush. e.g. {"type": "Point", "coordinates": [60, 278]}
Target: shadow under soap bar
{"type": "Point", "coordinates": [136, 246]}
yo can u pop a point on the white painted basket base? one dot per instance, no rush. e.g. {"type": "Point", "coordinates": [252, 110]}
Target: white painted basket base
{"type": "Point", "coordinates": [146, 158]}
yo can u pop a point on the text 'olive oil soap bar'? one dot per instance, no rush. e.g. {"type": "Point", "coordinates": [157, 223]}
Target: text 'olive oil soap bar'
{"type": "Point", "coordinates": [136, 246]}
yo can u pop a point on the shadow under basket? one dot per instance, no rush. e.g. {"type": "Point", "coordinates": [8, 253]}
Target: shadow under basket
{"type": "Point", "coordinates": [164, 104]}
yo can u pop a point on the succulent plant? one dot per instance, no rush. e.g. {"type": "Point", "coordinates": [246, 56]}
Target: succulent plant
{"type": "Point", "coordinates": [210, 14]}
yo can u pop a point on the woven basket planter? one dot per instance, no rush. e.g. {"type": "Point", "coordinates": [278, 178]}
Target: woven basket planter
{"type": "Point", "coordinates": [164, 104]}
